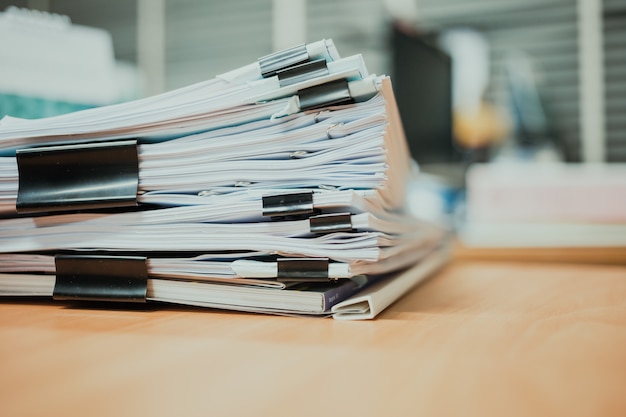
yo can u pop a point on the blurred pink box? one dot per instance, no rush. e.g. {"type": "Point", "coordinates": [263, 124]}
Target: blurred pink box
{"type": "Point", "coordinates": [546, 192]}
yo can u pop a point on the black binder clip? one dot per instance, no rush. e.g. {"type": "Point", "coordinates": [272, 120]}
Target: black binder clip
{"type": "Point", "coordinates": [78, 176]}
{"type": "Point", "coordinates": [302, 269]}
{"type": "Point", "coordinates": [324, 95]}
{"type": "Point", "coordinates": [288, 204]}
{"type": "Point", "coordinates": [101, 278]}
{"type": "Point", "coordinates": [302, 72]}
{"type": "Point", "coordinates": [271, 64]}
{"type": "Point", "coordinates": [329, 223]}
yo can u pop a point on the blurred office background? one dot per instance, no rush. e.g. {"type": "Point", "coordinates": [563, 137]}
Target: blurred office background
{"type": "Point", "coordinates": [533, 72]}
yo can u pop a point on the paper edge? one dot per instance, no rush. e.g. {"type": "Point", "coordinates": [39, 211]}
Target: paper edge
{"type": "Point", "coordinates": [384, 293]}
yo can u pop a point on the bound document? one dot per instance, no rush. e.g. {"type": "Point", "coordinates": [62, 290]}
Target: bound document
{"type": "Point", "coordinates": [278, 187]}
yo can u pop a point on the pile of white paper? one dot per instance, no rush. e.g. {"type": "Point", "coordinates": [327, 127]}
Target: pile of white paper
{"type": "Point", "coordinates": [297, 159]}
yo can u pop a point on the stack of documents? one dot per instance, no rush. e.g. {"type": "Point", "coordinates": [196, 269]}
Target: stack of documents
{"type": "Point", "coordinates": [545, 205]}
{"type": "Point", "coordinates": [277, 187]}
{"type": "Point", "coordinates": [52, 66]}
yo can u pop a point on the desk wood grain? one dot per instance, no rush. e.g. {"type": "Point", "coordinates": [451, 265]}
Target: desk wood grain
{"type": "Point", "coordinates": [480, 338]}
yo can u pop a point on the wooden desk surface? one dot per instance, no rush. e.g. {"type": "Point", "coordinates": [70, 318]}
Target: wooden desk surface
{"type": "Point", "coordinates": [480, 338]}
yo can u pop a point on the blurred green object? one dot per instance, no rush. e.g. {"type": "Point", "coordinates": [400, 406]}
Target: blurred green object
{"type": "Point", "coordinates": [34, 107]}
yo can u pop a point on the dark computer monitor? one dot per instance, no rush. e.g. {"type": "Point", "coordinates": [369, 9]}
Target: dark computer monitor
{"type": "Point", "coordinates": [422, 83]}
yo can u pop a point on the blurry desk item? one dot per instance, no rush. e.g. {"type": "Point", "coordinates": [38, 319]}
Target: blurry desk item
{"type": "Point", "coordinates": [51, 66]}
{"type": "Point", "coordinates": [480, 338]}
{"type": "Point", "coordinates": [593, 255]}
{"type": "Point", "coordinates": [542, 208]}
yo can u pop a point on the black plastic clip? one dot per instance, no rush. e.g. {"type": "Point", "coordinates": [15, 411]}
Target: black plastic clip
{"type": "Point", "coordinates": [272, 63]}
{"type": "Point", "coordinates": [323, 95]}
{"type": "Point", "coordinates": [329, 223]}
{"type": "Point", "coordinates": [302, 72]}
{"type": "Point", "coordinates": [302, 269]}
{"type": "Point", "coordinates": [101, 278]}
{"type": "Point", "coordinates": [288, 204]}
{"type": "Point", "coordinates": [78, 176]}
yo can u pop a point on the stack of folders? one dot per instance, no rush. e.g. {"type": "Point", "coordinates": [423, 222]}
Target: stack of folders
{"type": "Point", "coordinates": [277, 187]}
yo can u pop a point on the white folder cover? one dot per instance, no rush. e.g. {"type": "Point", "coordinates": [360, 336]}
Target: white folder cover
{"type": "Point", "coordinates": [376, 298]}
{"type": "Point", "coordinates": [377, 293]}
